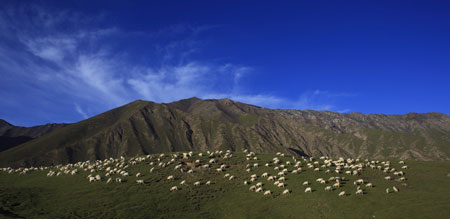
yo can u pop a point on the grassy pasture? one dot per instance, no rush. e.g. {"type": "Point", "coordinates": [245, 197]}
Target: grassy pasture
{"type": "Point", "coordinates": [425, 194]}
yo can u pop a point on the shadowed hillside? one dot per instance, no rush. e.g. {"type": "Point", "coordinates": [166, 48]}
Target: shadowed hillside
{"type": "Point", "coordinates": [144, 127]}
{"type": "Point", "coordinates": [11, 135]}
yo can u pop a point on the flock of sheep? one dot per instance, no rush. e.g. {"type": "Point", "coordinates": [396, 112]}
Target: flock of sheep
{"type": "Point", "coordinates": [278, 171]}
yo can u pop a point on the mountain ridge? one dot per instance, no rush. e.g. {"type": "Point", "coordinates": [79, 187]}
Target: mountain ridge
{"type": "Point", "coordinates": [143, 127]}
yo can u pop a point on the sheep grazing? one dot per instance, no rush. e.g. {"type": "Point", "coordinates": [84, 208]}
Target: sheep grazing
{"type": "Point", "coordinates": [401, 162]}
{"type": "Point", "coordinates": [328, 188]}
{"type": "Point", "coordinates": [259, 184]}
{"type": "Point", "coordinates": [280, 185]}
{"type": "Point", "coordinates": [308, 189]}
{"type": "Point", "coordinates": [282, 179]}
{"type": "Point", "coordinates": [260, 189]}
{"type": "Point", "coordinates": [98, 178]}
{"type": "Point", "coordinates": [265, 174]}
{"type": "Point", "coordinates": [342, 193]}
{"type": "Point", "coordinates": [226, 175]}
{"type": "Point", "coordinates": [190, 171]}
{"type": "Point", "coordinates": [231, 178]}
{"type": "Point", "coordinates": [183, 182]}
{"type": "Point", "coordinates": [305, 183]}
{"type": "Point", "coordinates": [208, 183]}
{"type": "Point", "coordinates": [119, 180]}
{"type": "Point", "coordinates": [268, 192]}
{"type": "Point", "coordinates": [91, 179]}
{"type": "Point", "coordinates": [271, 178]}
{"type": "Point", "coordinates": [246, 183]}
{"type": "Point", "coordinates": [387, 190]}
{"type": "Point", "coordinates": [405, 167]}
{"type": "Point", "coordinates": [359, 192]}
{"type": "Point", "coordinates": [388, 178]}
{"type": "Point", "coordinates": [174, 188]}
{"type": "Point", "coordinates": [252, 188]}
{"type": "Point", "coordinates": [395, 189]}
{"type": "Point", "coordinates": [197, 183]}
{"type": "Point", "coordinates": [337, 185]}
{"type": "Point", "coordinates": [285, 192]}
{"type": "Point", "coordinates": [369, 185]}
{"type": "Point", "coordinates": [170, 177]}
{"type": "Point", "coordinates": [109, 180]}
{"type": "Point", "coordinates": [138, 174]}
{"type": "Point", "coordinates": [140, 181]}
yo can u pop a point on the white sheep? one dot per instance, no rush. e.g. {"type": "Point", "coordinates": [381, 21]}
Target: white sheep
{"type": "Point", "coordinates": [280, 185]}
{"type": "Point", "coordinates": [359, 192]}
{"type": "Point", "coordinates": [208, 183]}
{"type": "Point", "coordinates": [140, 181]}
{"type": "Point", "coordinates": [197, 183]}
{"type": "Point", "coordinates": [328, 188]}
{"type": "Point", "coordinates": [342, 193]}
{"type": "Point", "coordinates": [183, 182]}
{"type": "Point", "coordinates": [231, 178]}
{"type": "Point", "coordinates": [259, 184]}
{"type": "Point", "coordinates": [268, 192]}
{"type": "Point", "coordinates": [265, 174]}
{"type": "Point", "coordinates": [308, 189]}
{"type": "Point", "coordinates": [387, 190]}
{"type": "Point", "coordinates": [395, 189]}
{"type": "Point", "coordinates": [286, 191]}
{"type": "Point", "coordinates": [174, 188]}
{"type": "Point", "coordinates": [337, 185]}
{"type": "Point", "coordinates": [226, 175]}
{"type": "Point", "coordinates": [119, 180]}
{"type": "Point", "coordinates": [170, 177]}
{"type": "Point", "coordinates": [109, 180]}
{"type": "Point", "coordinates": [305, 183]}
{"type": "Point", "coordinates": [252, 188]}
{"type": "Point", "coordinates": [260, 189]}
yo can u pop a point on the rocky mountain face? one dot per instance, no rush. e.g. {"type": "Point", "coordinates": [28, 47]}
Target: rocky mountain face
{"type": "Point", "coordinates": [143, 127]}
{"type": "Point", "coordinates": [11, 135]}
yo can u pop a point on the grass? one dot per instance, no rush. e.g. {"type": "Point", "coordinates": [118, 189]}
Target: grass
{"type": "Point", "coordinates": [34, 195]}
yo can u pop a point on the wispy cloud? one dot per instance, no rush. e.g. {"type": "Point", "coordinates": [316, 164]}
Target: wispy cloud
{"type": "Point", "coordinates": [68, 58]}
{"type": "Point", "coordinates": [80, 111]}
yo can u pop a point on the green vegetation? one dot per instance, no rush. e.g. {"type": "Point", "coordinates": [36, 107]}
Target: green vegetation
{"type": "Point", "coordinates": [248, 119]}
{"type": "Point", "coordinates": [425, 194]}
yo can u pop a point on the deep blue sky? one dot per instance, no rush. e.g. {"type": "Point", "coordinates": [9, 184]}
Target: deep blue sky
{"type": "Point", "coordinates": [63, 61]}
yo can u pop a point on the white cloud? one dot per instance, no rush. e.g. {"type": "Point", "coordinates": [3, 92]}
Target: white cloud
{"type": "Point", "coordinates": [77, 63]}
{"type": "Point", "coordinates": [80, 111]}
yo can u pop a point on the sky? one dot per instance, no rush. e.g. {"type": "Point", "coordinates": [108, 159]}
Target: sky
{"type": "Point", "coordinates": [65, 61]}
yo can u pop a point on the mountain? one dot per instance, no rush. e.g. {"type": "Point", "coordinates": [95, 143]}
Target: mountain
{"type": "Point", "coordinates": [143, 127]}
{"type": "Point", "coordinates": [11, 135]}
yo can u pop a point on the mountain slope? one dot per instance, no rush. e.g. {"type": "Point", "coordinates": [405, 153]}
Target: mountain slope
{"type": "Point", "coordinates": [143, 127]}
{"type": "Point", "coordinates": [11, 135]}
